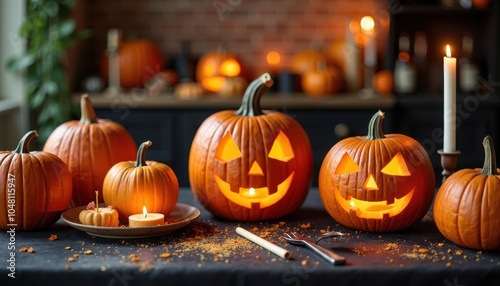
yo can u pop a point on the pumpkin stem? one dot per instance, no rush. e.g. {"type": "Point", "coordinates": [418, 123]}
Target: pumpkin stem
{"type": "Point", "coordinates": [250, 104]}
{"type": "Point", "coordinates": [88, 113]}
{"type": "Point", "coordinates": [22, 147]}
{"type": "Point", "coordinates": [141, 154]}
{"type": "Point", "coordinates": [490, 161]}
{"type": "Point", "coordinates": [375, 126]}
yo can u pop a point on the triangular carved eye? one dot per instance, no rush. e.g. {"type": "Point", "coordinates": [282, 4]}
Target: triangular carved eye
{"type": "Point", "coordinates": [346, 166]}
{"type": "Point", "coordinates": [396, 167]}
{"type": "Point", "coordinates": [227, 149]}
{"type": "Point", "coordinates": [282, 149]}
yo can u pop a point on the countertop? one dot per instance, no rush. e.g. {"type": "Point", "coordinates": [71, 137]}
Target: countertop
{"type": "Point", "coordinates": [209, 252]}
{"type": "Point", "coordinates": [139, 99]}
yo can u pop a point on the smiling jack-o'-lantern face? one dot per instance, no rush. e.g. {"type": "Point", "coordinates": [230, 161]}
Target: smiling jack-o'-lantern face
{"type": "Point", "coordinates": [377, 182]}
{"type": "Point", "coordinates": [251, 164]}
{"type": "Point", "coordinates": [258, 192]}
{"type": "Point", "coordinates": [389, 206]}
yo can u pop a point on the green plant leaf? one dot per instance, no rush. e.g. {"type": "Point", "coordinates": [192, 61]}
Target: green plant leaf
{"type": "Point", "coordinates": [66, 27]}
{"type": "Point", "coordinates": [50, 87]}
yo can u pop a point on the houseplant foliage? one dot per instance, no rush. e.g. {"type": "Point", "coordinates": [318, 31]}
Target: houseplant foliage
{"type": "Point", "coordinates": [49, 32]}
{"type": "Point", "coordinates": [467, 204]}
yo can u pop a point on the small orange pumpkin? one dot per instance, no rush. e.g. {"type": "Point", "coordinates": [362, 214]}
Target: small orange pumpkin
{"type": "Point", "coordinates": [466, 207]}
{"type": "Point", "coordinates": [233, 87]}
{"type": "Point", "coordinates": [35, 187]}
{"type": "Point", "coordinates": [139, 60]}
{"type": "Point", "coordinates": [213, 68]}
{"type": "Point", "coordinates": [131, 185]}
{"type": "Point", "coordinates": [250, 164]}
{"type": "Point", "coordinates": [377, 182]}
{"type": "Point", "coordinates": [307, 60]}
{"type": "Point", "coordinates": [90, 147]}
{"type": "Point", "coordinates": [323, 81]}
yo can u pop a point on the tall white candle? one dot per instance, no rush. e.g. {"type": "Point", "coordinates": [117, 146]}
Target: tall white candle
{"type": "Point", "coordinates": [450, 106]}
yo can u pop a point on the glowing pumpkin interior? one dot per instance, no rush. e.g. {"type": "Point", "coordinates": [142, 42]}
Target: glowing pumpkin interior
{"type": "Point", "coordinates": [246, 196]}
{"type": "Point", "coordinates": [373, 209]}
{"type": "Point", "coordinates": [214, 73]}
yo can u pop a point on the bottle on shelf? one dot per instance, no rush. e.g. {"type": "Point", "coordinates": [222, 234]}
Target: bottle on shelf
{"type": "Point", "coordinates": [468, 71]}
{"type": "Point", "coordinates": [405, 74]}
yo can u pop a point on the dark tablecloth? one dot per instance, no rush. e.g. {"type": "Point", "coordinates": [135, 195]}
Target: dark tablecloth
{"type": "Point", "coordinates": [209, 252]}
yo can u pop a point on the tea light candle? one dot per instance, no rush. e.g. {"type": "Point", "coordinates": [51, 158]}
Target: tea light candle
{"type": "Point", "coordinates": [449, 67]}
{"type": "Point", "coordinates": [146, 219]}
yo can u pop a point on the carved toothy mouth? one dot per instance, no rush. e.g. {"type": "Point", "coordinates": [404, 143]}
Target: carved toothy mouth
{"type": "Point", "coordinates": [246, 197]}
{"type": "Point", "coordinates": [375, 209]}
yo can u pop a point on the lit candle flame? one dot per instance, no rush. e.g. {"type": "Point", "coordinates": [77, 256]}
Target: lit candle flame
{"type": "Point", "coordinates": [273, 58]}
{"type": "Point", "coordinates": [251, 192]}
{"type": "Point", "coordinates": [367, 23]}
{"type": "Point", "coordinates": [448, 51]}
{"type": "Point", "coordinates": [145, 211]}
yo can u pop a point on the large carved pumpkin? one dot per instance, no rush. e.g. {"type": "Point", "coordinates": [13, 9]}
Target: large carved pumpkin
{"type": "Point", "coordinates": [131, 185]}
{"type": "Point", "coordinates": [90, 147]}
{"type": "Point", "coordinates": [250, 164]}
{"type": "Point", "coordinates": [466, 208]}
{"type": "Point", "coordinates": [35, 187]}
{"type": "Point", "coordinates": [139, 61]}
{"type": "Point", "coordinates": [378, 182]}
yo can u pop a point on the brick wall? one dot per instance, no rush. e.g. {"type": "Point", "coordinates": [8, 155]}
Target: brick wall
{"type": "Point", "coordinates": [249, 28]}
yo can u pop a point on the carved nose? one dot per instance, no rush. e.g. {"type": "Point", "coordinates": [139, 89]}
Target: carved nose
{"type": "Point", "coordinates": [370, 183]}
{"type": "Point", "coordinates": [255, 169]}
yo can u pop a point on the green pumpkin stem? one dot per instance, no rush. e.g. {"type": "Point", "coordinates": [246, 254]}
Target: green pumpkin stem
{"type": "Point", "coordinates": [375, 126]}
{"type": "Point", "coordinates": [250, 104]}
{"type": "Point", "coordinates": [490, 161]}
{"type": "Point", "coordinates": [141, 154]}
{"type": "Point", "coordinates": [22, 147]}
{"type": "Point", "coordinates": [88, 113]}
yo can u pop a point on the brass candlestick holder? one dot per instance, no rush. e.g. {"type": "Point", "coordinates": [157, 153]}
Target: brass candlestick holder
{"type": "Point", "coordinates": [448, 162]}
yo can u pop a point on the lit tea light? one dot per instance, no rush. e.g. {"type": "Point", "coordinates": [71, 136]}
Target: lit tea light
{"type": "Point", "coordinates": [254, 193]}
{"type": "Point", "coordinates": [146, 219]}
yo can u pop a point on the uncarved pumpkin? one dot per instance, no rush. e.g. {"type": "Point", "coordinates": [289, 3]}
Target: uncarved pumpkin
{"type": "Point", "coordinates": [139, 60]}
{"type": "Point", "coordinates": [90, 147]}
{"type": "Point", "coordinates": [131, 185]}
{"type": "Point", "coordinates": [377, 182]}
{"type": "Point", "coordinates": [323, 81]}
{"type": "Point", "coordinates": [250, 164]}
{"type": "Point", "coordinates": [467, 205]}
{"type": "Point", "coordinates": [35, 187]}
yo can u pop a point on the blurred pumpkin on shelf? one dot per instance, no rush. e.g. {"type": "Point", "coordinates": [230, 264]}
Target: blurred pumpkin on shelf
{"type": "Point", "coordinates": [383, 82]}
{"type": "Point", "coordinates": [323, 81]}
{"type": "Point", "coordinates": [139, 60]}
{"type": "Point", "coordinates": [233, 87]}
{"type": "Point", "coordinates": [213, 68]}
{"type": "Point", "coordinates": [306, 61]}
{"type": "Point", "coordinates": [187, 89]}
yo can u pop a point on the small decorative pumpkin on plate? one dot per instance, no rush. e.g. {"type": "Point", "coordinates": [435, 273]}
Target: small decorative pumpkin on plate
{"type": "Point", "coordinates": [379, 182]}
{"type": "Point", "coordinates": [93, 215]}
{"type": "Point", "coordinates": [467, 205]}
{"type": "Point", "coordinates": [90, 147]}
{"type": "Point", "coordinates": [35, 187]}
{"type": "Point", "coordinates": [131, 185]}
{"type": "Point", "coordinates": [251, 164]}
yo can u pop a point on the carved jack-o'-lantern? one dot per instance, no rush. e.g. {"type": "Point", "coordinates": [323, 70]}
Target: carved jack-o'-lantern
{"type": "Point", "coordinates": [250, 164]}
{"type": "Point", "coordinates": [378, 182]}
{"type": "Point", "coordinates": [214, 67]}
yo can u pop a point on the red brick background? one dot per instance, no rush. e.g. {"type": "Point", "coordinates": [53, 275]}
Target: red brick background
{"type": "Point", "coordinates": [249, 28]}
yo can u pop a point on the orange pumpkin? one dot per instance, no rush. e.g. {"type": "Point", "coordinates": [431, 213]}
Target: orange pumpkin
{"type": "Point", "coordinates": [35, 187]}
{"type": "Point", "coordinates": [250, 164]}
{"type": "Point", "coordinates": [377, 182]}
{"type": "Point", "coordinates": [306, 61]}
{"type": "Point", "coordinates": [383, 82]}
{"type": "Point", "coordinates": [139, 61]}
{"type": "Point", "coordinates": [90, 147]}
{"type": "Point", "coordinates": [467, 204]}
{"type": "Point", "coordinates": [131, 185]}
{"type": "Point", "coordinates": [213, 68]}
{"type": "Point", "coordinates": [323, 81]}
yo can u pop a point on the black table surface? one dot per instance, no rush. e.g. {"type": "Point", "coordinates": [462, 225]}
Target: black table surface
{"type": "Point", "coordinates": [209, 252]}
